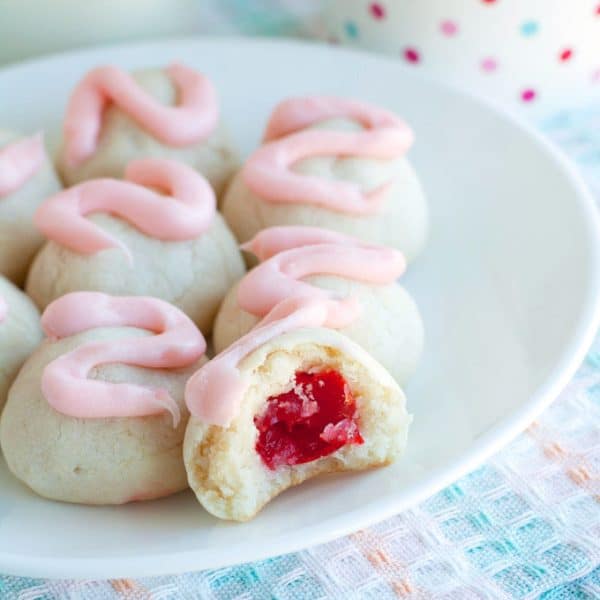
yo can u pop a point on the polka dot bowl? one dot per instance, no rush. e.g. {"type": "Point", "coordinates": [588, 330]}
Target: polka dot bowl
{"type": "Point", "coordinates": [534, 56]}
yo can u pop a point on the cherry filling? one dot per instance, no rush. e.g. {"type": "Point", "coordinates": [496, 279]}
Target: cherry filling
{"type": "Point", "coordinates": [315, 418]}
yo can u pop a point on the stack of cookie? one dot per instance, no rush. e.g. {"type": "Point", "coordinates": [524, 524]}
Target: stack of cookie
{"type": "Point", "coordinates": [133, 267]}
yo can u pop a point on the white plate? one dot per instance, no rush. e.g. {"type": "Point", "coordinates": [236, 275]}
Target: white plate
{"type": "Point", "coordinates": [508, 286]}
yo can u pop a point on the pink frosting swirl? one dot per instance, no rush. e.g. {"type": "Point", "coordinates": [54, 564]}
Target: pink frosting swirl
{"type": "Point", "coordinates": [192, 120]}
{"type": "Point", "coordinates": [214, 393]}
{"type": "Point", "coordinates": [184, 215]}
{"type": "Point", "coordinates": [177, 343]}
{"type": "Point", "coordinates": [292, 253]}
{"type": "Point", "coordinates": [268, 171]}
{"type": "Point", "coordinates": [19, 161]}
{"type": "Point", "coordinates": [273, 240]}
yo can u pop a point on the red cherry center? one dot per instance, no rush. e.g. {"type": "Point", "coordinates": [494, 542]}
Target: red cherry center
{"type": "Point", "coordinates": [313, 419]}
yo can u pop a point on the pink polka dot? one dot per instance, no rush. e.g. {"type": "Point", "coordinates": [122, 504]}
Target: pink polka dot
{"type": "Point", "coordinates": [411, 55]}
{"type": "Point", "coordinates": [528, 95]}
{"type": "Point", "coordinates": [448, 28]}
{"type": "Point", "coordinates": [377, 10]}
{"type": "Point", "coordinates": [489, 64]}
{"type": "Point", "coordinates": [598, 10]}
{"type": "Point", "coordinates": [566, 54]}
{"type": "Point", "coordinates": [596, 76]}
{"type": "Point", "coordinates": [488, 1]}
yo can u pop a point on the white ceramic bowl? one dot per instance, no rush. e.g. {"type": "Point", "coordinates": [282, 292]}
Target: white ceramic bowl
{"type": "Point", "coordinates": [508, 287]}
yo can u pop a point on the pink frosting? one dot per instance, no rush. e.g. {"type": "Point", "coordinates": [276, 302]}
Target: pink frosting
{"type": "Point", "coordinates": [214, 393]}
{"type": "Point", "coordinates": [292, 253]}
{"type": "Point", "coordinates": [192, 120]}
{"type": "Point", "coordinates": [185, 215]}
{"type": "Point", "coordinates": [65, 384]}
{"type": "Point", "coordinates": [273, 240]}
{"type": "Point", "coordinates": [19, 161]}
{"type": "Point", "coordinates": [268, 171]}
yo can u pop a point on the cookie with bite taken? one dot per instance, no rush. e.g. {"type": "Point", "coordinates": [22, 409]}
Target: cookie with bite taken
{"type": "Point", "coordinates": [288, 401]}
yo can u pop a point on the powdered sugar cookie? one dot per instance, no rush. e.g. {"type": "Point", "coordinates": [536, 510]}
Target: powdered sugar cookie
{"type": "Point", "coordinates": [288, 401]}
{"type": "Point", "coordinates": [375, 311]}
{"type": "Point", "coordinates": [333, 163]}
{"type": "Point", "coordinates": [113, 118]}
{"type": "Point", "coordinates": [136, 241]}
{"type": "Point", "coordinates": [97, 413]}
{"type": "Point", "coordinates": [20, 333]}
{"type": "Point", "coordinates": [27, 178]}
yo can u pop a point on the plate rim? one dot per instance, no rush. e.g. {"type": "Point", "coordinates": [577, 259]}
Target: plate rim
{"type": "Point", "coordinates": [488, 443]}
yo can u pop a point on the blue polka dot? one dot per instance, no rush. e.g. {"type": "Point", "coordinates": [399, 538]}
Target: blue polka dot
{"type": "Point", "coordinates": [351, 29]}
{"type": "Point", "coordinates": [529, 28]}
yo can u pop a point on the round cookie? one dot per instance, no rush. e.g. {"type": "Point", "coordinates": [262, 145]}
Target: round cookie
{"type": "Point", "coordinates": [122, 101]}
{"type": "Point", "coordinates": [101, 459]}
{"type": "Point", "coordinates": [388, 325]}
{"type": "Point", "coordinates": [313, 180]}
{"type": "Point", "coordinates": [109, 251]}
{"type": "Point", "coordinates": [27, 178]}
{"type": "Point", "coordinates": [286, 403]}
{"type": "Point", "coordinates": [389, 328]}
{"type": "Point", "coordinates": [20, 333]}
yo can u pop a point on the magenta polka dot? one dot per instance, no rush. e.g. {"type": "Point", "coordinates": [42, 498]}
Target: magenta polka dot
{"type": "Point", "coordinates": [528, 95]}
{"type": "Point", "coordinates": [377, 10]}
{"type": "Point", "coordinates": [449, 28]}
{"type": "Point", "coordinates": [411, 55]}
{"type": "Point", "coordinates": [489, 64]}
{"type": "Point", "coordinates": [566, 54]}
